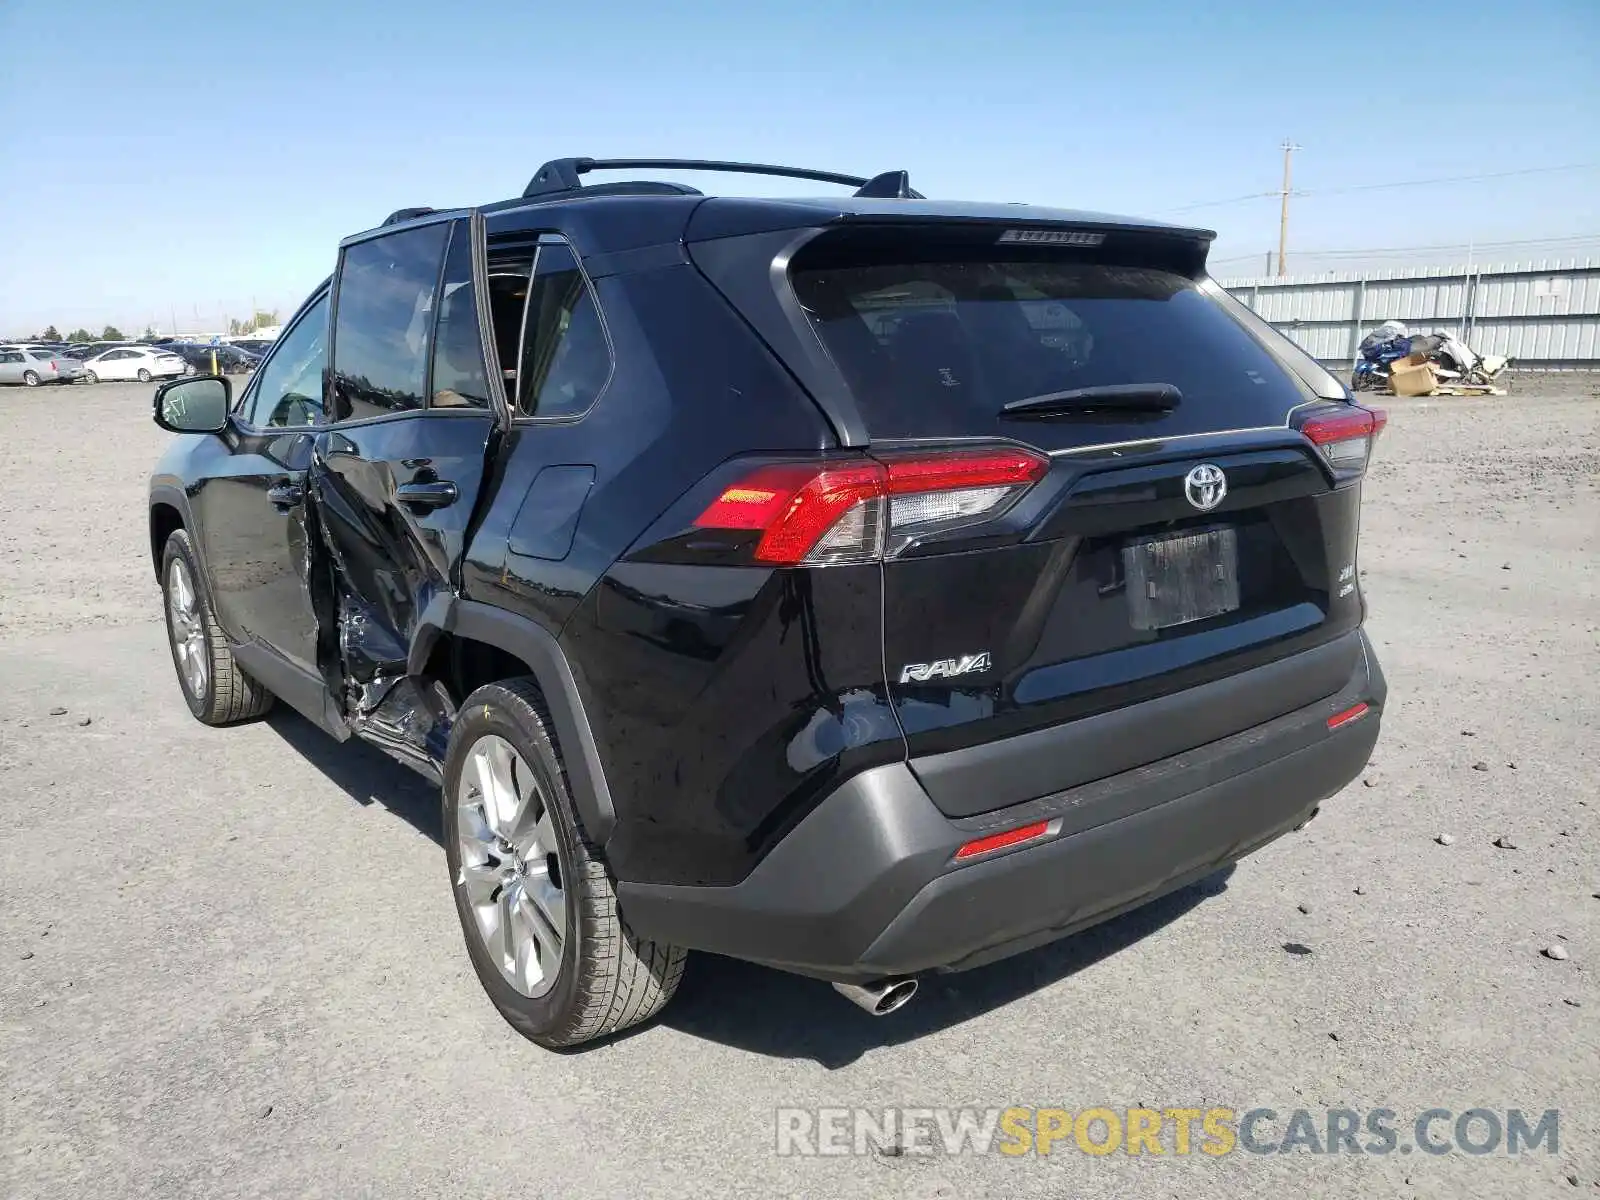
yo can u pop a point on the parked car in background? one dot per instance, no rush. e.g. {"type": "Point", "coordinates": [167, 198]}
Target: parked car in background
{"type": "Point", "coordinates": [90, 349]}
{"type": "Point", "coordinates": [35, 365]}
{"type": "Point", "coordinates": [214, 360]}
{"type": "Point", "coordinates": [143, 363]}
{"type": "Point", "coordinates": [257, 346]}
{"type": "Point", "coordinates": [68, 368]}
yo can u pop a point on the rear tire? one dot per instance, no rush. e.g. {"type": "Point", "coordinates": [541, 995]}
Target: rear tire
{"type": "Point", "coordinates": [31, 378]}
{"type": "Point", "coordinates": [144, 376]}
{"type": "Point", "coordinates": [216, 690]}
{"type": "Point", "coordinates": [603, 978]}
{"type": "Point", "coordinates": [90, 377]}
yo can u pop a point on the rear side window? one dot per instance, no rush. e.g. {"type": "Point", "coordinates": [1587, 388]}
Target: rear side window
{"type": "Point", "coordinates": [510, 275]}
{"type": "Point", "coordinates": [460, 379]}
{"type": "Point", "coordinates": [566, 359]}
{"type": "Point", "coordinates": [382, 319]}
{"type": "Point", "coordinates": [42, 355]}
{"type": "Point", "coordinates": [935, 347]}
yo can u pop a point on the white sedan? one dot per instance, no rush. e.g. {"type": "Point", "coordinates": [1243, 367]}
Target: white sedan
{"type": "Point", "coordinates": [143, 363]}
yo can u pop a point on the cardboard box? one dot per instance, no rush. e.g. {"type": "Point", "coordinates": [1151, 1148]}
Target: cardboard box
{"type": "Point", "coordinates": [1412, 376]}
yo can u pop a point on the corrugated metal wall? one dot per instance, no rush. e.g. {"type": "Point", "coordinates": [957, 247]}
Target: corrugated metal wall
{"type": "Point", "coordinates": [1544, 314]}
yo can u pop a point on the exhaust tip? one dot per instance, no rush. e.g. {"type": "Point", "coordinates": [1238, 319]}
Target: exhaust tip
{"type": "Point", "coordinates": [880, 998]}
{"type": "Point", "coordinates": [897, 995]}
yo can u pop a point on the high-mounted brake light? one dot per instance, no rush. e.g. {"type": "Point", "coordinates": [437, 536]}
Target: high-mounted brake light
{"type": "Point", "coordinates": [1344, 436]}
{"type": "Point", "coordinates": [863, 510]}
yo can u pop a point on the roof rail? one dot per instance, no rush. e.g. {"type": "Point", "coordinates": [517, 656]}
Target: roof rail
{"type": "Point", "coordinates": [561, 174]}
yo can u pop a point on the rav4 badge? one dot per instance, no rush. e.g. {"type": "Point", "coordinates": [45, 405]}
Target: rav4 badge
{"type": "Point", "coordinates": [945, 668]}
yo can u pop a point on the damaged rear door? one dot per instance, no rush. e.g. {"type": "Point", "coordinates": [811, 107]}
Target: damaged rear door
{"type": "Point", "coordinates": [396, 477]}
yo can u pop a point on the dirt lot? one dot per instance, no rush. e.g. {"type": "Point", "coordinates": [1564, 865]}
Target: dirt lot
{"type": "Point", "coordinates": [229, 964]}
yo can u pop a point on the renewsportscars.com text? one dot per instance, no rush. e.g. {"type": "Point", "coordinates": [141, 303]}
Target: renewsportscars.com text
{"type": "Point", "coordinates": [1176, 1132]}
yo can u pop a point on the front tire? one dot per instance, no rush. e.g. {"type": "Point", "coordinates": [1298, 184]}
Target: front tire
{"type": "Point", "coordinates": [537, 906]}
{"type": "Point", "coordinates": [31, 378]}
{"type": "Point", "coordinates": [144, 376]}
{"type": "Point", "coordinates": [216, 690]}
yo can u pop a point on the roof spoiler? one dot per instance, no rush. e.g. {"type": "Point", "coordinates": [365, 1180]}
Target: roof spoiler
{"type": "Point", "coordinates": [561, 175]}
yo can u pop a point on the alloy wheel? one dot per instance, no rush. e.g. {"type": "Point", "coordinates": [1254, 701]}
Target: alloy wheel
{"type": "Point", "coordinates": [187, 629]}
{"type": "Point", "coordinates": [511, 868]}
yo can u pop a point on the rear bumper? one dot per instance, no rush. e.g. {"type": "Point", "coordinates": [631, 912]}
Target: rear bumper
{"type": "Point", "coordinates": [866, 885]}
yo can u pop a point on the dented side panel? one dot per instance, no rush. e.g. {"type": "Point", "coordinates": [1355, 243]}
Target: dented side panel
{"type": "Point", "coordinates": [390, 555]}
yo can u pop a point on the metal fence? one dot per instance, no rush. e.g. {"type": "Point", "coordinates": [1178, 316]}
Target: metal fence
{"type": "Point", "coordinates": [1545, 315]}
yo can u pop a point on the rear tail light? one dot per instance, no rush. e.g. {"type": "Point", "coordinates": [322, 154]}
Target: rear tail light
{"type": "Point", "coordinates": [828, 513]}
{"type": "Point", "coordinates": [1344, 435]}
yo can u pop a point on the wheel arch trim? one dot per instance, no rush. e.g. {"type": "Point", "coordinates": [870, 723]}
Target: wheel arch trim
{"type": "Point", "coordinates": [174, 497]}
{"type": "Point", "coordinates": [539, 649]}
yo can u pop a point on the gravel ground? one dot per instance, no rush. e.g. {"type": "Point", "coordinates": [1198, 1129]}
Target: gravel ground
{"type": "Point", "coordinates": [231, 965]}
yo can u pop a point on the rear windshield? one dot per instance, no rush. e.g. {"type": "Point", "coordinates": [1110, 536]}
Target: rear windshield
{"type": "Point", "coordinates": [43, 355]}
{"type": "Point", "coordinates": [936, 348]}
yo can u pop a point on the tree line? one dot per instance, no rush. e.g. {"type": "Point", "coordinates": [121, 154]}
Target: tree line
{"type": "Point", "coordinates": [111, 333]}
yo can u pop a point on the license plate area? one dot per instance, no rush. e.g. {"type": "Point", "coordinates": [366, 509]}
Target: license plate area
{"type": "Point", "coordinates": [1176, 578]}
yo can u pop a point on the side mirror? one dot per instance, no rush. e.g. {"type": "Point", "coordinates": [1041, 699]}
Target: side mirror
{"type": "Point", "coordinates": [196, 405]}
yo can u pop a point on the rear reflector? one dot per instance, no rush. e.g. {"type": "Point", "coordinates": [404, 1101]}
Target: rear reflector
{"type": "Point", "coordinates": [1348, 715]}
{"type": "Point", "coordinates": [866, 509]}
{"type": "Point", "coordinates": [1345, 436]}
{"type": "Point", "coordinates": [999, 841]}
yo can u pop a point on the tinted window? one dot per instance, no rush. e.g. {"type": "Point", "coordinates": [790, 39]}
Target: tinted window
{"type": "Point", "coordinates": [459, 376]}
{"type": "Point", "coordinates": [566, 360]}
{"type": "Point", "coordinates": [42, 355]}
{"type": "Point", "coordinates": [934, 348]}
{"type": "Point", "coordinates": [288, 388]}
{"type": "Point", "coordinates": [381, 326]}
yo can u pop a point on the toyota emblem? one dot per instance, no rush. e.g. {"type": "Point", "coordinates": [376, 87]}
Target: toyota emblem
{"type": "Point", "coordinates": [1205, 486]}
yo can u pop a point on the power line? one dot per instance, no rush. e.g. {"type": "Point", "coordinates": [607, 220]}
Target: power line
{"type": "Point", "coordinates": [1402, 251]}
{"type": "Point", "coordinates": [1220, 203]}
{"type": "Point", "coordinates": [1374, 187]}
{"type": "Point", "coordinates": [1401, 183]}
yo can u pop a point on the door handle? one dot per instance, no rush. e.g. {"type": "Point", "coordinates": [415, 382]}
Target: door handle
{"type": "Point", "coordinates": [286, 495]}
{"type": "Point", "coordinates": [435, 493]}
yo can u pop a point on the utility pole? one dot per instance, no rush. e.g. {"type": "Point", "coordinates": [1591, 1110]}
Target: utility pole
{"type": "Point", "coordinates": [1283, 216]}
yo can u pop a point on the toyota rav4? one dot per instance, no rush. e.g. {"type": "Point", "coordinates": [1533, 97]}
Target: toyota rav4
{"type": "Point", "coordinates": [864, 586]}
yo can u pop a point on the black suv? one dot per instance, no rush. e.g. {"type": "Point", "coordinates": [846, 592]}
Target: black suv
{"type": "Point", "coordinates": [862, 586]}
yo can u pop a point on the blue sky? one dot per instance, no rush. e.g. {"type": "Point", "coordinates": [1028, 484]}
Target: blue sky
{"type": "Point", "coordinates": [183, 157]}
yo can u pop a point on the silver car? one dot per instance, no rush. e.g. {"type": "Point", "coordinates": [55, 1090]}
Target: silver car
{"type": "Point", "coordinates": [34, 365]}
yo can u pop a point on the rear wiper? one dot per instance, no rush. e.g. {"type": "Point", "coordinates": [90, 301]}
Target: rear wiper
{"type": "Point", "coordinates": [1113, 397]}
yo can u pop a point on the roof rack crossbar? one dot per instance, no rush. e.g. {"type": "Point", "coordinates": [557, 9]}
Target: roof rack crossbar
{"type": "Point", "coordinates": [561, 174]}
